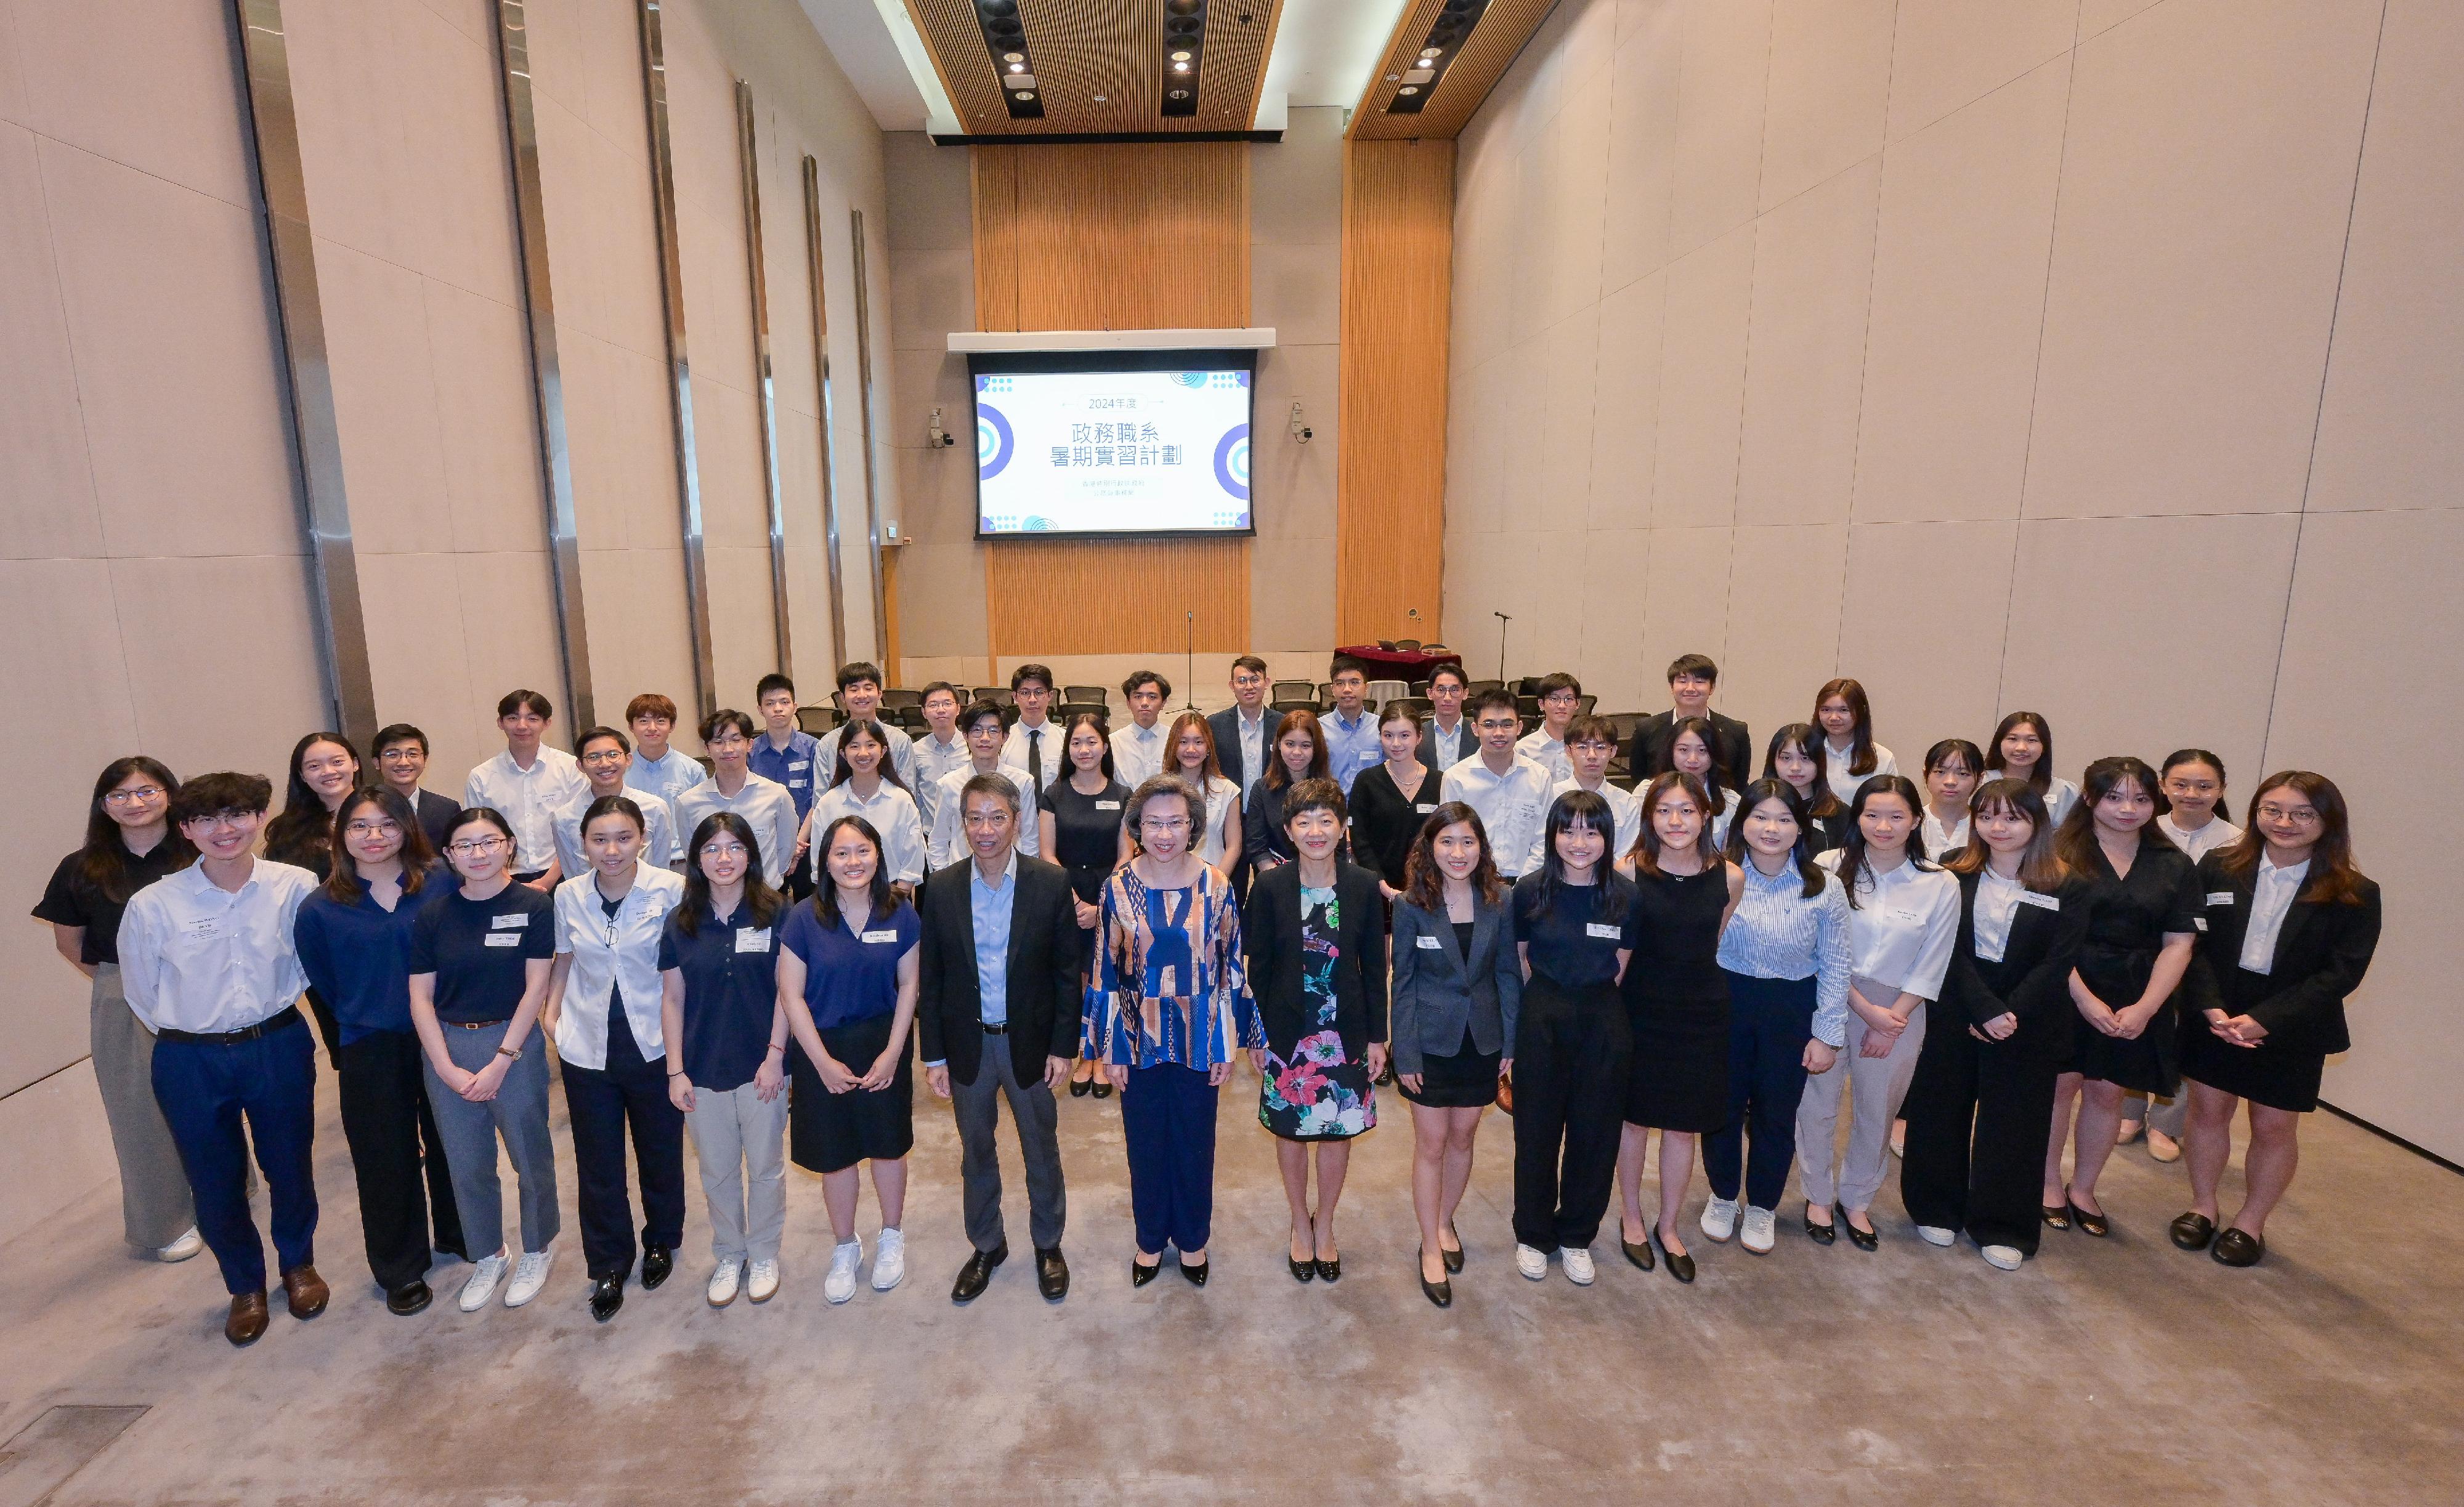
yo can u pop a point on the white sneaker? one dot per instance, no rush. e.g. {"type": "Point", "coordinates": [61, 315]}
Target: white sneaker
{"type": "Point", "coordinates": [483, 1281]}
{"type": "Point", "coordinates": [724, 1278]}
{"type": "Point", "coordinates": [1761, 1232]}
{"type": "Point", "coordinates": [2005, 1257]}
{"type": "Point", "coordinates": [1577, 1262]}
{"type": "Point", "coordinates": [1936, 1234]}
{"type": "Point", "coordinates": [1719, 1219]}
{"type": "Point", "coordinates": [889, 1260]}
{"type": "Point", "coordinates": [185, 1247]}
{"type": "Point", "coordinates": [763, 1284]}
{"type": "Point", "coordinates": [840, 1285]}
{"type": "Point", "coordinates": [530, 1275]}
{"type": "Point", "coordinates": [1531, 1261]}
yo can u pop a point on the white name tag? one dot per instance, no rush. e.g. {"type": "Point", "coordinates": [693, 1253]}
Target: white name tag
{"type": "Point", "coordinates": [513, 923]}
{"type": "Point", "coordinates": [1107, 805]}
{"type": "Point", "coordinates": [1604, 930]}
{"type": "Point", "coordinates": [1900, 913]}
{"type": "Point", "coordinates": [1427, 943]}
{"type": "Point", "coordinates": [881, 936]}
{"type": "Point", "coordinates": [2200, 922]}
{"type": "Point", "coordinates": [799, 763]}
{"type": "Point", "coordinates": [1425, 807]}
{"type": "Point", "coordinates": [2028, 897]}
{"type": "Point", "coordinates": [753, 939]}
{"type": "Point", "coordinates": [502, 939]}
{"type": "Point", "coordinates": [204, 930]}
{"type": "Point", "coordinates": [2220, 896]}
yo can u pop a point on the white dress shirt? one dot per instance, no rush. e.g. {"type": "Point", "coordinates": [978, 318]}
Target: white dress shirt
{"type": "Point", "coordinates": [1138, 754]}
{"type": "Point", "coordinates": [892, 812]}
{"type": "Point", "coordinates": [2272, 896]}
{"type": "Point", "coordinates": [1938, 839]}
{"type": "Point", "coordinates": [1548, 752]}
{"type": "Point", "coordinates": [196, 958]}
{"type": "Point", "coordinates": [666, 776]}
{"type": "Point", "coordinates": [528, 799]}
{"type": "Point", "coordinates": [2203, 840]}
{"type": "Point", "coordinates": [1513, 808]}
{"type": "Point", "coordinates": [948, 842]}
{"type": "Point", "coordinates": [660, 842]}
{"type": "Point", "coordinates": [1450, 746]}
{"type": "Point", "coordinates": [1222, 818]}
{"type": "Point", "coordinates": [613, 955]}
{"type": "Point", "coordinates": [1253, 735]}
{"type": "Point", "coordinates": [1835, 768]}
{"type": "Point", "coordinates": [1903, 926]}
{"type": "Point", "coordinates": [1997, 901]}
{"type": "Point", "coordinates": [826, 757]}
{"type": "Point", "coordinates": [1056, 757]}
{"type": "Point", "coordinates": [933, 758]}
{"type": "Point", "coordinates": [766, 807]}
{"type": "Point", "coordinates": [1623, 805]}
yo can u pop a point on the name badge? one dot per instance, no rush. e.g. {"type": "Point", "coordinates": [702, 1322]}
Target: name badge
{"type": "Point", "coordinates": [1427, 943]}
{"type": "Point", "coordinates": [2221, 897]}
{"type": "Point", "coordinates": [502, 939]}
{"type": "Point", "coordinates": [513, 923]}
{"type": "Point", "coordinates": [1426, 807]}
{"type": "Point", "coordinates": [753, 939]}
{"type": "Point", "coordinates": [1107, 805]}
{"type": "Point", "coordinates": [1898, 913]}
{"type": "Point", "coordinates": [2200, 922]}
{"type": "Point", "coordinates": [1603, 931]}
{"type": "Point", "coordinates": [2028, 897]}
{"type": "Point", "coordinates": [205, 930]}
{"type": "Point", "coordinates": [799, 763]}
{"type": "Point", "coordinates": [881, 936]}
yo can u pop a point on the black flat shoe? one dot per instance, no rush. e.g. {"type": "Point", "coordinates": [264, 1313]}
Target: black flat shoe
{"type": "Point", "coordinates": [1052, 1273]}
{"type": "Point", "coordinates": [408, 1299]}
{"type": "Point", "coordinates": [1454, 1259]}
{"type": "Point", "coordinates": [2095, 1224]}
{"type": "Point", "coordinates": [2239, 1248]}
{"type": "Point", "coordinates": [978, 1273]}
{"type": "Point", "coordinates": [1142, 1272]}
{"type": "Point", "coordinates": [1302, 1271]}
{"type": "Point", "coordinates": [1820, 1234]}
{"type": "Point", "coordinates": [1329, 1271]}
{"type": "Point", "coordinates": [606, 1295]}
{"type": "Point", "coordinates": [2192, 1230]}
{"type": "Point", "coordinates": [657, 1261]}
{"type": "Point", "coordinates": [2057, 1216]}
{"type": "Point", "coordinates": [1103, 1088]}
{"type": "Point", "coordinates": [1861, 1239]}
{"type": "Point", "coordinates": [1195, 1271]}
{"type": "Point", "coordinates": [1638, 1253]}
{"type": "Point", "coordinates": [1441, 1292]}
{"type": "Point", "coordinates": [1681, 1264]}
{"type": "Point", "coordinates": [1080, 1087]}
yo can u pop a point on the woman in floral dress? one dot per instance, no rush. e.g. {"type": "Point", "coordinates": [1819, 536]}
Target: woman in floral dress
{"type": "Point", "coordinates": [1317, 960]}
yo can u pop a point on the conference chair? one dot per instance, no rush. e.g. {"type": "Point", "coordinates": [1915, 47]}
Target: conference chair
{"type": "Point", "coordinates": [1293, 690]}
{"type": "Point", "coordinates": [1086, 695]}
{"type": "Point", "coordinates": [1071, 709]}
{"type": "Point", "coordinates": [816, 720]}
{"type": "Point", "coordinates": [1416, 705]}
{"type": "Point", "coordinates": [1482, 687]}
{"type": "Point", "coordinates": [892, 700]}
{"type": "Point", "coordinates": [998, 695]}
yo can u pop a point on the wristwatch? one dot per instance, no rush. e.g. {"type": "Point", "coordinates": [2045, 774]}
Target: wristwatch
{"type": "Point", "coordinates": [514, 1052]}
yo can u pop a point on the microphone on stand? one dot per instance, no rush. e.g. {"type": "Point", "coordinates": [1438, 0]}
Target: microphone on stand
{"type": "Point", "coordinates": [1189, 662]}
{"type": "Point", "coordinates": [1502, 620]}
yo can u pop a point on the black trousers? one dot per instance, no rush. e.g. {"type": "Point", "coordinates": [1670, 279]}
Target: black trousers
{"type": "Point", "coordinates": [1978, 1114]}
{"type": "Point", "coordinates": [1571, 1049]}
{"type": "Point", "coordinates": [404, 1186]}
{"type": "Point", "coordinates": [603, 1104]}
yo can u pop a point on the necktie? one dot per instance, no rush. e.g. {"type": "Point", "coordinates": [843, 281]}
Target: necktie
{"type": "Point", "coordinates": [1035, 758]}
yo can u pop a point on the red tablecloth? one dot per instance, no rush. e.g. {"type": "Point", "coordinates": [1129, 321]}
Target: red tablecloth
{"type": "Point", "coordinates": [1405, 665]}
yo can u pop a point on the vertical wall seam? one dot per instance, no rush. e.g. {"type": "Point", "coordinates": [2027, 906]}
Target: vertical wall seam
{"type": "Point", "coordinates": [1865, 348]}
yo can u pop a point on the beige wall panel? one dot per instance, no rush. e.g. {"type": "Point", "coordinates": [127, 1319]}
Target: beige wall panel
{"type": "Point", "coordinates": [921, 381]}
{"type": "Point", "coordinates": [1615, 567]}
{"type": "Point", "coordinates": [1784, 591]}
{"type": "Point", "coordinates": [942, 587]}
{"type": "Point", "coordinates": [66, 657]}
{"type": "Point", "coordinates": [1475, 448]}
{"type": "Point", "coordinates": [2392, 427]}
{"type": "Point", "coordinates": [2096, 16]}
{"type": "Point", "coordinates": [453, 126]}
{"type": "Point", "coordinates": [932, 294]}
{"type": "Point", "coordinates": [1625, 405]}
{"type": "Point", "coordinates": [1488, 573]}
{"type": "Point", "coordinates": [1930, 658]}
{"type": "Point", "coordinates": [1573, 163]}
{"type": "Point", "coordinates": [929, 213]}
{"type": "Point", "coordinates": [480, 349]}
{"type": "Point", "coordinates": [419, 661]}
{"type": "Point", "coordinates": [511, 643]}
{"type": "Point", "coordinates": [937, 486]}
{"type": "Point", "coordinates": [1958, 300]}
{"type": "Point", "coordinates": [727, 442]}
{"type": "Point", "coordinates": [14, 107]}
{"type": "Point", "coordinates": [1725, 67]}
{"type": "Point", "coordinates": [2186, 316]}
{"type": "Point", "coordinates": [1805, 354]}
{"type": "Point", "coordinates": [1830, 89]}
{"type": "Point", "coordinates": [150, 84]}
{"type": "Point", "coordinates": [350, 87]}
{"type": "Point", "coordinates": [743, 630]}
{"type": "Point", "coordinates": [212, 695]}
{"type": "Point", "coordinates": [1302, 286]}
{"type": "Point", "coordinates": [1292, 591]}
{"type": "Point", "coordinates": [639, 640]}
{"type": "Point", "coordinates": [1702, 384]}
{"type": "Point", "coordinates": [1488, 185]}
{"type": "Point", "coordinates": [1643, 144]}
{"type": "Point", "coordinates": [588, 59]}
{"type": "Point", "coordinates": [1947, 54]}
{"type": "Point", "coordinates": [1685, 597]}
{"type": "Point", "coordinates": [1554, 459]}
{"type": "Point", "coordinates": [623, 443]}
{"type": "Point", "coordinates": [1298, 481]}
{"type": "Point", "coordinates": [1296, 185]}
{"type": "Point", "coordinates": [718, 302]}
{"type": "Point", "coordinates": [602, 243]}
{"type": "Point", "coordinates": [385, 403]}
{"type": "Point", "coordinates": [47, 506]}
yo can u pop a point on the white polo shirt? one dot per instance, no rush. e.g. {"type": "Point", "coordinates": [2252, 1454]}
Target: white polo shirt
{"type": "Point", "coordinates": [766, 807]}
{"type": "Point", "coordinates": [893, 816]}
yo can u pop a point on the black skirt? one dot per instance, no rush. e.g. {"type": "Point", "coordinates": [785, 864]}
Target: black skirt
{"type": "Point", "coordinates": [1678, 1079]}
{"type": "Point", "coordinates": [2148, 1064]}
{"type": "Point", "coordinates": [1467, 1079]}
{"type": "Point", "coordinates": [830, 1132]}
{"type": "Point", "coordinates": [2279, 1077]}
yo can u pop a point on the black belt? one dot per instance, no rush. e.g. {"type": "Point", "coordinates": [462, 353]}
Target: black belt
{"type": "Point", "coordinates": [476, 1025]}
{"type": "Point", "coordinates": [991, 1029]}
{"type": "Point", "coordinates": [290, 1016]}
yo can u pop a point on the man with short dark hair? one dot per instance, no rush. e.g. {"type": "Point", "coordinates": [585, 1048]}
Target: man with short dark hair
{"type": "Point", "coordinates": [1034, 744]}
{"type": "Point", "coordinates": [663, 770]}
{"type": "Point", "coordinates": [1511, 792]}
{"type": "Point", "coordinates": [401, 753]}
{"type": "Point", "coordinates": [1446, 739]}
{"type": "Point", "coordinates": [1243, 732]}
{"type": "Point", "coordinates": [945, 840]}
{"type": "Point", "coordinates": [527, 785]}
{"type": "Point", "coordinates": [1351, 729]}
{"type": "Point", "coordinates": [763, 803]}
{"type": "Point", "coordinates": [1691, 679]}
{"type": "Point", "coordinates": [939, 751]}
{"type": "Point", "coordinates": [605, 754]}
{"type": "Point", "coordinates": [1561, 696]}
{"type": "Point", "coordinates": [860, 696]}
{"type": "Point", "coordinates": [208, 964]}
{"type": "Point", "coordinates": [1137, 750]}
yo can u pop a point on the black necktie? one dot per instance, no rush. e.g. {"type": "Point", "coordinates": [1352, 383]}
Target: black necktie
{"type": "Point", "coordinates": [1035, 758]}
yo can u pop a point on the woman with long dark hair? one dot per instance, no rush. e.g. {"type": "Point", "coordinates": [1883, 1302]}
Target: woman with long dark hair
{"type": "Point", "coordinates": [1794, 759]}
{"type": "Point", "coordinates": [1296, 753]}
{"type": "Point", "coordinates": [1189, 751]}
{"type": "Point", "coordinates": [1850, 755]}
{"type": "Point", "coordinates": [2291, 927]}
{"type": "Point", "coordinates": [129, 843]}
{"type": "Point", "coordinates": [2023, 750]}
{"type": "Point", "coordinates": [1692, 750]}
{"type": "Point", "coordinates": [324, 768]}
{"type": "Point", "coordinates": [865, 782]}
{"type": "Point", "coordinates": [1085, 829]}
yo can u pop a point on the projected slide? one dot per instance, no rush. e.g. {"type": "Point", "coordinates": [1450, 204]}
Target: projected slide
{"type": "Point", "coordinates": [1112, 452]}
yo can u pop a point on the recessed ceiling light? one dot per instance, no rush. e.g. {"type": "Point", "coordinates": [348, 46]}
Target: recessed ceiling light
{"type": "Point", "coordinates": [1180, 68]}
{"type": "Point", "coordinates": [1409, 89]}
{"type": "Point", "coordinates": [1431, 52]}
{"type": "Point", "coordinates": [1394, 78]}
{"type": "Point", "coordinates": [1026, 94]}
{"type": "Point", "coordinates": [1179, 93]}
{"type": "Point", "coordinates": [1180, 57]}
{"type": "Point", "coordinates": [1100, 100]}
{"type": "Point", "coordinates": [1018, 68]}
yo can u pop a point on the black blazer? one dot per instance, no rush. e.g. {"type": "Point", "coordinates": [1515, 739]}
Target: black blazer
{"type": "Point", "coordinates": [1734, 753]}
{"type": "Point", "coordinates": [1225, 725]}
{"type": "Point", "coordinates": [1437, 997]}
{"type": "Point", "coordinates": [1464, 749]}
{"type": "Point", "coordinates": [1272, 937]}
{"type": "Point", "coordinates": [2033, 979]}
{"type": "Point", "coordinates": [2321, 952]}
{"type": "Point", "coordinates": [437, 816]}
{"type": "Point", "coordinates": [1043, 975]}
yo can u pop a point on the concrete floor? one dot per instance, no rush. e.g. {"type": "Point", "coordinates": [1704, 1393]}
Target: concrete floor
{"type": "Point", "coordinates": [2105, 1372]}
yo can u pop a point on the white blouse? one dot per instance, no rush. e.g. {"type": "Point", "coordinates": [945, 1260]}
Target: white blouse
{"type": "Point", "coordinates": [2205, 841]}
{"type": "Point", "coordinates": [1835, 768]}
{"type": "Point", "coordinates": [1222, 818]}
{"type": "Point", "coordinates": [892, 815]}
{"type": "Point", "coordinates": [1939, 840]}
{"type": "Point", "coordinates": [2270, 900]}
{"type": "Point", "coordinates": [1997, 901]}
{"type": "Point", "coordinates": [1902, 925]}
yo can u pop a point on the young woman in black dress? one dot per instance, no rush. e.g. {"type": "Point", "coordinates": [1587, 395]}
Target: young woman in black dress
{"type": "Point", "coordinates": [1298, 753]}
{"type": "Point", "coordinates": [1677, 1008]}
{"type": "Point", "coordinates": [1390, 802]}
{"type": "Point", "coordinates": [1083, 831]}
{"type": "Point", "coordinates": [1794, 757]}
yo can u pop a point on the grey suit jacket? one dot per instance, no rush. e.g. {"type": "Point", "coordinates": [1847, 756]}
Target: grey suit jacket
{"type": "Point", "coordinates": [1436, 996]}
{"type": "Point", "coordinates": [1466, 748]}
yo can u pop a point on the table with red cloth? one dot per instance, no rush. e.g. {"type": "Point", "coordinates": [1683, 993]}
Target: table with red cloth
{"type": "Point", "coordinates": [1404, 665]}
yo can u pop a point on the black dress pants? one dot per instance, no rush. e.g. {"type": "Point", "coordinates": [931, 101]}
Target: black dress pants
{"type": "Point", "coordinates": [601, 1105]}
{"type": "Point", "coordinates": [1570, 1050]}
{"type": "Point", "coordinates": [404, 1186]}
{"type": "Point", "coordinates": [1978, 1114]}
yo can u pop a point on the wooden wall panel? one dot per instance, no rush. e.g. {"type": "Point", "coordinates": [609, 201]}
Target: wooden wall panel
{"type": "Point", "coordinates": [1113, 237]}
{"type": "Point", "coordinates": [1390, 470]}
{"type": "Point", "coordinates": [1112, 48]}
{"type": "Point", "coordinates": [1485, 56]}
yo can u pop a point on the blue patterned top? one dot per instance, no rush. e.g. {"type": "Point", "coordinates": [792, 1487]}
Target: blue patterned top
{"type": "Point", "coordinates": [1169, 986]}
{"type": "Point", "coordinates": [1780, 931]}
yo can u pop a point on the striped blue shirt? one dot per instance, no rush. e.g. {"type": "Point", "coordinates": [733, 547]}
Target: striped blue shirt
{"type": "Point", "coordinates": [1778, 931]}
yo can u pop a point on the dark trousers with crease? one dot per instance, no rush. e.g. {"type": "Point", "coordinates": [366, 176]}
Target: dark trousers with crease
{"type": "Point", "coordinates": [1168, 1120]}
{"type": "Point", "coordinates": [1978, 1114]}
{"type": "Point", "coordinates": [396, 1157]}
{"type": "Point", "coordinates": [222, 1100]}
{"type": "Point", "coordinates": [1571, 1049]}
{"type": "Point", "coordinates": [603, 1104]}
{"type": "Point", "coordinates": [1769, 1021]}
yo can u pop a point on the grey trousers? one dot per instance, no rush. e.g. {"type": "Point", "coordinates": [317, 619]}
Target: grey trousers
{"type": "Point", "coordinates": [2167, 1115]}
{"type": "Point", "coordinates": [155, 1208]}
{"type": "Point", "coordinates": [978, 1107]}
{"type": "Point", "coordinates": [518, 1113]}
{"type": "Point", "coordinates": [1875, 1086]}
{"type": "Point", "coordinates": [742, 1145]}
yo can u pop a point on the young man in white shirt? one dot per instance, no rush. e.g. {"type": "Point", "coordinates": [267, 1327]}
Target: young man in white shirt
{"type": "Point", "coordinates": [1034, 744]}
{"type": "Point", "coordinates": [663, 771]}
{"type": "Point", "coordinates": [1351, 729]}
{"type": "Point", "coordinates": [860, 693]}
{"type": "Point", "coordinates": [605, 755]}
{"type": "Point", "coordinates": [208, 964]}
{"type": "Point", "coordinates": [527, 784]}
{"type": "Point", "coordinates": [1589, 744]}
{"type": "Point", "coordinates": [1561, 696]}
{"type": "Point", "coordinates": [939, 751]}
{"type": "Point", "coordinates": [947, 844]}
{"type": "Point", "coordinates": [1446, 739]}
{"type": "Point", "coordinates": [764, 804]}
{"type": "Point", "coordinates": [1511, 793]}
{"type": "Point", "coordinates": [1137, 750]}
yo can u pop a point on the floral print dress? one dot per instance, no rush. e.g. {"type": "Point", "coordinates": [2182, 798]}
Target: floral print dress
{"type": "Point", "coordinates": [1319, 1095]}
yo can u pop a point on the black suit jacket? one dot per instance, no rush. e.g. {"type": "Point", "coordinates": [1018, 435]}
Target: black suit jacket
{"type": "Point", "coordinates": [1043, 973]}
{"type": "Point", "coordinates": [2321, 952]}
{"type": "Point", "coordinates": [2033, 979]}
{"type": "Point", "coordinates": [1734, 754]}
{"type": "Point", "coordinates": [1466, 748]}
{"type": "Point", "coordinates": [1271, 934]}
{"type": "Point", "coordinates": [1225, 725]}
{"type": "Point", "coordinates": [437, 815]}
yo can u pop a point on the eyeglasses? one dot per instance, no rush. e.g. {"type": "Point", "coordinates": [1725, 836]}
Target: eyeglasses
{"type": "Point", "coordinates": [1162, 825]}
{"type": "Point", "coordinates": [400, 756]}
{"type": "Point", "coordinates": [373, 829]}
{"type": "Point", "coordinates": [2299, 816]}
{"type": "Point", "coordinates": [987, 820]}
{"type": "Point", "coordinates": [133, 797]}
{"type": "Point", "coordinates": [605, 756]}
{"type": "Point", "coordinates": [472, 847]}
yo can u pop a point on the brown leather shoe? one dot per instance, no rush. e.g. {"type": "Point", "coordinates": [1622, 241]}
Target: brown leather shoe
{"type": "Point", "coordinates": [247, 1319]}
{"type": "Point", "coordinates": [306, 1290]}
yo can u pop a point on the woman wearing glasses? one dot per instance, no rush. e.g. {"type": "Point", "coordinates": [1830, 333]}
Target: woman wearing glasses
{"type": "Point", "coordinates": [129, 843]}
{"type": "Point", "coordinates": [479, 959]}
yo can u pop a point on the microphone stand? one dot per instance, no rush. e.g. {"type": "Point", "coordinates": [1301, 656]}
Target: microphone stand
{"type": "Point", "coordinates": [1502, 620]}
{"type": "Point", "coordinates": [1189, 661]}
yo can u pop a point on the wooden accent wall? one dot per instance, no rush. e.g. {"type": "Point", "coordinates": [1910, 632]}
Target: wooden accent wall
{"type": "Point", "coordinates": [1113, 237]}
{"type": "Point", "coordinates": [1398, 202]}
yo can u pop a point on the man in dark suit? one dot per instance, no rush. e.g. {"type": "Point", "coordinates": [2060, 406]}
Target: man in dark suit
{"type": "Point", "coordinates": [401, 753]}
{"type": "Point", "coordinates": [1691, 679]}
{"type": "Point", "coordinates": [1244, 735]}
{"type": "Point", "coordinates": [997, 1016]}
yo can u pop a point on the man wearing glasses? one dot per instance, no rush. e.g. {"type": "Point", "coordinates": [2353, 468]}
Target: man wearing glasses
{"type": "Point", "coordinates": [607, 757]}
{"type": "Point", "coordinates": [402, 762]}
{"type": "Point", "coordinates": [764, 804]}
{"type": "Point", "coordinates": [210, 966]}
{"type": "Point", "coordinates": [1510, 791]}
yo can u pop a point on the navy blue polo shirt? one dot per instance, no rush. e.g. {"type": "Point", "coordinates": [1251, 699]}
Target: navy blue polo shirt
{"type": "Point", "coordinates": [358, 955]}
{"type": "Point", "coordinates": [478, 950]}
{"type": "Point", "coordinates": [731, 976]}
{"type": "Point", "coordinates": [849, 975]}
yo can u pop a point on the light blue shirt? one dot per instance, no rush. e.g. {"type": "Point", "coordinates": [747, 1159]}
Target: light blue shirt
{"type": "Point", "coordinates": [1351, 746]}
{"type": "Point", "coordinates": [1779, 932]}
{"type": "Point", "coordinates": [991, 904]}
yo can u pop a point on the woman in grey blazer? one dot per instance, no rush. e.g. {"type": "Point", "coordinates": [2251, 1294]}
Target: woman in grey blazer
{"type": "Point", "coordinates": [1457, 986]}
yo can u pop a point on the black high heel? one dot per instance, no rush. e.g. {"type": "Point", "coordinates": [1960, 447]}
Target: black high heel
{"type": "Point", "coordinates": [1302, 1270]}
{"type": "Point", "coordinates": [1441, 1292]}
{"type": "Point", "coordinates": [1329, 1271]}
{"type": "Point", "coordinates": [1142, 1274]}
{"type": "Point", "coordinates": [1195, 1271]}
{"type": "Point", "coordinates": [1452, 1259]}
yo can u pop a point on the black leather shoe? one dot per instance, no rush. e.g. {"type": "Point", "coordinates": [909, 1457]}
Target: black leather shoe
{"type": "Point", "coordinates": [1142, 1272]}
{"type": "Point", "coordinates": [1052, 1273]}
{"type": "Point", "coordinates": [1681, 1264]}
{"type": "Point", "coordinates": [1303, 1269]}
{"type": "Point", "coordinates": [2192, 1230]}
{"type": "Point", "coordinates": [2239, 1248]}
{"type": "Point", "coordinates": [408, 1299]}
{"type": "Point", "coordinates": [606, 1295]}
{"type": "Point", "coordinates": [657, 1261]}
{"type": "Point", "coordinates": [1638, 1253]}
{"type": "Point", "coordinates": [2057, 1216]}
{"type": "Point", "coordinates": [1103, 1088]}
{"type": "Point", "coordinates": [1195, 1271]}
{"type": "Point", "coordinates": [976, 1272]}
{"type": "Point", "coordinates": [1329, 1271]}
{"type": "Point", "coordinates": [1080, 1087]}
{"type": "Point", "coordinates": [1820, 1234]}
{"type": "Point", "coordinates": [1454, 1259]}
{"type": "Point", "coordinates": [1440, 1292]}
{"type": "Point", "coordinates": [2095, 1224]}
{"type": "Point", "coordinates": [1861, 1239]}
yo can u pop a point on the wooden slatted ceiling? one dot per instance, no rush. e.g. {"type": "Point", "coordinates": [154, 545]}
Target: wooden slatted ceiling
{"type": "Point", "coordinates": [1487, 54]}
{"type": "Point", "coordinates": [1113, 48]}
